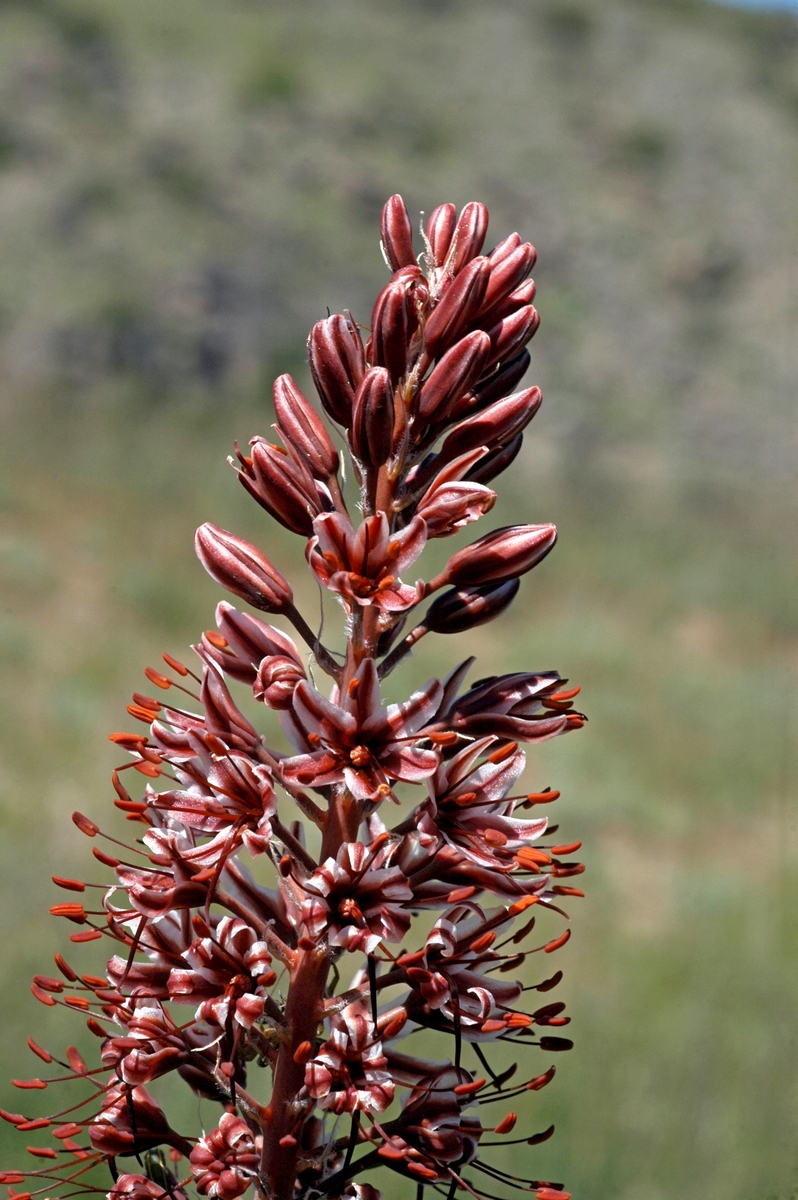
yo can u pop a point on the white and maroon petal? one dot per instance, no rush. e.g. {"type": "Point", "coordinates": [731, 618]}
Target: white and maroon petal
{"type": "Point", "coordinates": [312, 770]}
{"type": "Point", "coordinates": [409, 763]}
{"type": "Point", "coordinates": [319, 715]}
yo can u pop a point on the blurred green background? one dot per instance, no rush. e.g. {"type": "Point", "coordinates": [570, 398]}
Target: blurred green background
{"type": "Point", "coordinates": [184, 189]}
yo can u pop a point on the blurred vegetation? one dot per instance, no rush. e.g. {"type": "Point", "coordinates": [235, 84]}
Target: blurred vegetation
{"type": "Point", "coordinates": [184, 189]}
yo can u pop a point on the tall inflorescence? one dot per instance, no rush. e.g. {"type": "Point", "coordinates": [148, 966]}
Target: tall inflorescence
{"type": "Point", "coordinates": [317, 962]}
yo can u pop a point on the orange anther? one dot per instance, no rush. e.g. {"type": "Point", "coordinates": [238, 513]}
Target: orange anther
{"type": "Point", "coordinates": [160, 681]}
{"type": "Point", "coordinates": [70, 885]}
{"type": "Point", "coordinates": [569, 849]}
{"type": "Point", "coordinates": [175, 665]}
{"type": "Point", "coordinates": [503, 752]}
{"type": "Point", "coordinates": [550, 947]}
{"type": "Point", "coordinates": [507, 1123]}
{"type": "Point", "coordinates": [521, 904]}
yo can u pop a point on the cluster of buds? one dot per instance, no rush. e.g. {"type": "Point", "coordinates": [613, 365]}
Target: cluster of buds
{"type": "Point", "coordinates": [307, 965]}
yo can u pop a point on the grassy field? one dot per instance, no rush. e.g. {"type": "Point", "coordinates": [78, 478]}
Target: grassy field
{"type": "Point", "coordinates": [184, 189]}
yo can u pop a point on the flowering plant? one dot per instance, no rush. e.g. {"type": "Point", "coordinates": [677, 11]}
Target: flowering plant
{"type": "Point", "coordinates": [308, 977]}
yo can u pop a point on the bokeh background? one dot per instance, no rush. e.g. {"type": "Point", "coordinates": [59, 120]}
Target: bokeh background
{"type": "Point", "coordinates": [184, 189]}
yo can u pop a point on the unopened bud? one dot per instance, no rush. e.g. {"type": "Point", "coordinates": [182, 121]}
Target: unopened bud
{"type": "Point", "coordinates": [275, 682]}
{"type": "Point", "coordinates": [507, 274]}
{"type": "Point", "coordinates": [493, 387]}
{"type": "Point", "coordinates": [494, 427]}
{"type": "Point", "coordinates": [284, 487]}
{"type": "Point", "coordinates": [469, 235]}
{"type": "Point", "coordinates": [503, 554]}
{"type": "Point", "coordinates": [453, 376]}
{"type": "Point", "coordinates": [242, 569]}
{"type": "Point", "coordinates": [373, 418]}
{"type": "Point", "coordinates": [440, 231]}
{"type": "Point", "coordinates": [497, 461]}
{"type": "Point", "coordinates": [459, 304]}
{"type": "Point", "coordinates": [397, 234]}
{"type": "Point", "coordinates": [512, 333]}
{"type": "Point", "coordinates": [337, 363]}
{"type": "Point", "coordinates": [465, 608]}
{"type": "Point", "coordinates": [304, 429]}
{"type": "Point", "coordinates": [393, 323]}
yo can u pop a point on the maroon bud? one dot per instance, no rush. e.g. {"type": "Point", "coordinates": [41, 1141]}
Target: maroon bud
{"type": "Point", "coordinates": [222, 718]}
{"type": "Point", "coordinates": [440, 231]}
{"type": "Point", "coordinates": [242, 569]}
{"type": "Point", "coordinates": [454, 375]}
{"type": "Point", "coordinates": [397, 234]}
{"type": "Point", "coordinates": [499, 460]}
{"type": "Point", "coordinates": [373, 418]}
{"type": "Point", "coordinates": [282, 486]}
{"type": "Point", "coordinates": [494, 427]}
{"type": "Point", "coordinates": [275, 682]}
{"type": "Point", "coordinates": [492, 387]}
{"type": "Point", "coordinates": [503, 554]}
{"type": "Point", "coordinates": [520, 298]}
{"type": "Point", "coordinates": [393, 323]}
{"type": "Point", "coordinates": [303, 428]}
{"type": "Point", "coordinates": [459, 304]}
{"type": "Point", "coordinates": [465, 608]}
{"type": "Point", "coordinates": [337, 363]}
{"type": "Point", "coordinates": [504, 248]}
{"type": "Point", "coordinates": [512, 333]}
{"type": "Point", "coordinates": [469, 235]}
{"type": "Point", "coordinates": [508, 274]}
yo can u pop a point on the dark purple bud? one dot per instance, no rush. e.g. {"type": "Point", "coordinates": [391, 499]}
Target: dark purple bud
{"type": "Point", "coordinates": [373, 418]}
{"type": "Point", "coordinates": [512, 333]}
{"type": "Point", "coordinates": [397, 234]}
{"type": "Point", "coordinates": [303, 428]}
{"type": "Point", "coordinates": [458, 306]}
{"type": "Point", "coordinates": [494, 427]}
{"type": "Point", "coordinates": [241, 568]}
{"type": "Point", "coordinates": [503, 554]}
{"type": "Point", "coordinates": [337, 363]}
{"type": "Point", "coordinates": [469, 235]}
{"type": "Point", "coordinates": [492, 387]}
{"type": "Point", "coordinates": [453, 376]}
{"type": "Point", "coordinates": [508, 274]}
{"type": "Point", "coordinates": [494, 463]}
{"type": "Point", "coordinates": [285, 488]}
{"type": "Point", "coordinates": [440, 231]}
{"type": "Point", "coordinates": [393, 323]}
{"type": "Point", "coordinates": [465, 608]}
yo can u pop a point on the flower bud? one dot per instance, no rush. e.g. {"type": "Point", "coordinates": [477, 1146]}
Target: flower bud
{"type": "Point", "coordinates": [393, 323]}
{"type": "Point", "coordinates": [499, 460]}
{"type": "Point", "coordinates": [504, 249]}
{"type": "Point", "coordinates": [523, 295]}
{"type": "Point", "coordinates": [397, 234]}
{"type": "Point", "coordinates": [242, 569]}
{"type": "Point", "coordinates": [512, 333]}
{"type": "Point", "coordinates": [440, 231]}
{"type": "Point", "coordinates": [507, 274]}
{"type": "Point", "coordinates": [493, 387]}
{"type": "Point", "coordinates": [500, 555]}
{"type": "Point", "coordinates": [281, 486]}
{"type": "Point", "coordinates": [373, 418]}
{"type": "Point", "coordinates": [453, 376]}
{"type": "Point", "coordinates": [275, 682]}
{"type": "Point", "coordinates": [469, 234]}
{"type": "Point", "coordinates": [337, 363]}
{"type": "Point", "coordinates": [303, 428]}
{"type": "Point", "coordinates": [453, 504]}
{"type": "Point", "coordinates": [459, 304]}
{"type": "Point", "coordinates": [494, 427]}
{"type": "Point", "coordinates": [248, 641]}
{"type": "Point", "coordinates": [465, 608]}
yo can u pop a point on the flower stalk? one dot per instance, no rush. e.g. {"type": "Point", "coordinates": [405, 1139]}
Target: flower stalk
{"type": "Point", "coordinates": [294, 941]}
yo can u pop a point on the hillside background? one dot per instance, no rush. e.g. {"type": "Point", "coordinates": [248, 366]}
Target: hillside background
{"type": "Point", "coordinates": [184, 189]}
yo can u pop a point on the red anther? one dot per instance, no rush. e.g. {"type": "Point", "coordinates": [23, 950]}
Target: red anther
{"type": "Point", "coordinates": [88, 935]}
{"type": "Point", "coordinates": [105, 859]}
{"type": "Point", "coordinates": [96, 1028]}
{"type": "Point", "coordinates": [457, 895]}
{"type": "Point", "coordinates": [216, 745]}
{"type": "Point", "coordinates": [151, 770]}
{"type": "Point", "coordinates": [520, 905]}
{"type": "Point", "coordinates": [67, 1131]}
{"type": "Point", "coordinates": [64, 968]}
{"type": "Point", "coordinates": [492, 1026]}
{"type": "Point", "coordinates": [288, 1140]}
{"type": "Point", "coordinates": [569, 849]}
{"type": "Point", "coordinates": [483, 941]}
{"type": "Point", "coordinates": [216, 639]}
{"type": "Point", "coordinates": [541, 797]}
{"type": "Point", "coordinates": [397, 234]}
{"type": "Point", "coordinates": [540, 1081]}
{"type": "Point", "coordinates": [131, 806]}
{"type": "Point", "coordinates": [394, 1026]}
{"type": "Point", "coordinates": [95, 981]}
{"type": "Point", "coordinates": [41, 1152]}
{"type": "Point", "coordinates": [547, 1193]}
{"type": "Point", "coordinates": [174, 664]}
{"type": "Point", "coordinates": [494, 837]}
{"type": "Point", "coordinates": [119, 787]}
{"type": "Point", "coordinates": [503, 752]}
{"type": "Point", "coordinates": [303, 1052]}
{"type": "Point", "coordinates": [446, 738]}
{"type": "Point", "coordinates": [160, 681]}
{"type": "Point", "coordinates": [518, 1021]}
{"type": "Point", "coordinates": [420, 1169]}
{"type": "Point", "coordinates": [27, 1084]}
{"type": "Point", "coordinates": [555, 944]}
{"type": "Point", "coordinates": [285, 865]}
{"type": "Point", "coordinates": [406, 960]}
{"type": "Point", "coordinates": [130, 741]}
{"type": "Point", "coordinates": [529, 854]}
{"type": "Point", "coordinates": [559, 890]}
{"type": "Point", "coordinates": [72, 912]}
{"type": "Point", "coordinates": [147, 702]}
{"type": "Point", "coordinates": [569, 695]}
{"type": "Point", "coordinates": [37, 1123]}
{"type": "Point", "coordinates": [12, 1118]}
{"type": "Point", "coordinates": [141, 714]}
{"type": "Point", "coordinates": [43, 1054]}
{"type": "Point", "coordinates": [563, 870]}
{"type": "Point", "coordinates": [150, 755]}
{"type": "Point", "coordinates": [49, 984]}
{"type": "Point", "coordinates": [12, 1177]}
{"type": "Point", "coordinates": [70, 885]}
{"type": "Point", "coordinates": [85, 825]}
{"type": "Point", "coordinates": [507, 1124]}
{"type": "Point", "coordinates": [77, 1002]}
{"type": "Point", "coordinates": [575, 720]}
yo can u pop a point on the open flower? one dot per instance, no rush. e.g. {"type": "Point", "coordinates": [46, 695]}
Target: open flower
{"type": "Point", "coordinates": [358, 898]}
{"type": "Point", "coordinates": [363, 565]}
{"type": "Point", "coordinates": [224, 1163]}
{"type": "Point", "coordinates": [358, 742]}
{"type": "Point", "coordinates": [348, 1074]}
